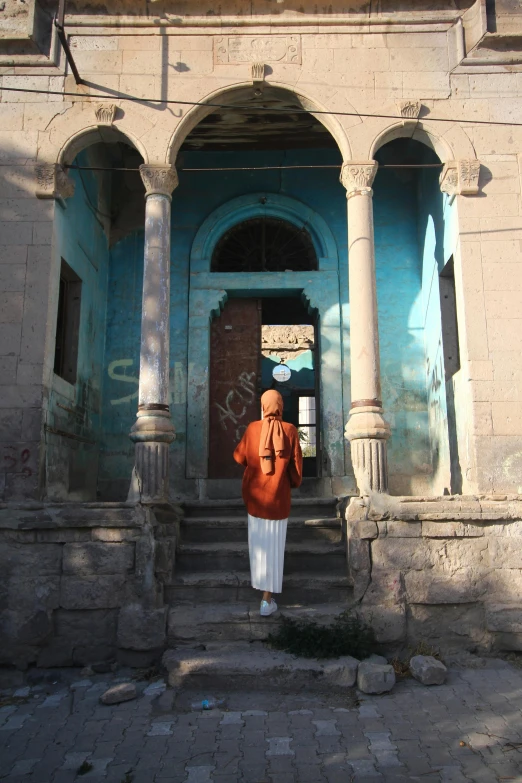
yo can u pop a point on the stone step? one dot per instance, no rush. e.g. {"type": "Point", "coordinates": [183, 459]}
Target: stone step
{"type": "Point", "coordinates": [232, 586]}
{"type": "Point", "coordinates": [206, 509]}
{"type": "Point", "coordinates": [237, 621]}
{"type": "Point", "coordinates": [251, 666]}
{"type": "Point", "coordinates": [315, 556]}
{"type": "Point", "coordinates": [235, 529]}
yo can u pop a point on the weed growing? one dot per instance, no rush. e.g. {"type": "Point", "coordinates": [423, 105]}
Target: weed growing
{"type": "Point", "coordinates": [347, 635]}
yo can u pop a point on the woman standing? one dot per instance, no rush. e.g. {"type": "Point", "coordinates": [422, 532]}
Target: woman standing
{"type": "Point", "coordinates": [271, 454]}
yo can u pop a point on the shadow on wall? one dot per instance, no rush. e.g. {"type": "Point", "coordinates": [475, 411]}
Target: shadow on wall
{"type": "Point", "coordinates": [409, 238]}
{"type": "Point", "coordinates": [453, 584]}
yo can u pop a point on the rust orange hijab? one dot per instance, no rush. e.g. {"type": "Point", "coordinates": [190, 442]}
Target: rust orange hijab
{"type": "Point", "coordinates": [271, 441]}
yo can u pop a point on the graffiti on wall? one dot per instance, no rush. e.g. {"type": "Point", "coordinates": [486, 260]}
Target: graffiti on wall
{"type": "Point", "coordinates": [241, 395]}
{"type": "Point", "coordinates": [178, 383]}
{"type": "Point", "coordinates": [15, 461]}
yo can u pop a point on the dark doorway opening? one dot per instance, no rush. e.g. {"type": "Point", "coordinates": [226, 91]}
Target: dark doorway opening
{"type": "Point", "coordinates": [250, 340]}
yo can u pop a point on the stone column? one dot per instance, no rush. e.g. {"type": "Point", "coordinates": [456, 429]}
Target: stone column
{"type": "Point", "coordinates": [153, 430]}
{"type": "Point", "coordinates": [366, 429]}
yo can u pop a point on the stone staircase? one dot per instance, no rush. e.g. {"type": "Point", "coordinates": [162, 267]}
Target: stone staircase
{"type": "Point", "coordinates": [214, 613]}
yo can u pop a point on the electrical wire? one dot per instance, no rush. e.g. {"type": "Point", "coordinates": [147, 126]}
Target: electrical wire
{"type": "Point", "coordinates": [268, 109]}
{"type": "Point", "coordinates": [262, 168]}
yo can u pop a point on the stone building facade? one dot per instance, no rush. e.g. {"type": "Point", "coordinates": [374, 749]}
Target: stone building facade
{"type": "Point", "coordinates": [191, 176]}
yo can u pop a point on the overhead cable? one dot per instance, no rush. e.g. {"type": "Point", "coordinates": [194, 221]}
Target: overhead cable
{"type": "Point", "coordinates": [253, 107]}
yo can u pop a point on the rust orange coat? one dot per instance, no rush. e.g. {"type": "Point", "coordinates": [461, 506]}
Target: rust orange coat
{"type": "Point", "coordinates": [268, 496]}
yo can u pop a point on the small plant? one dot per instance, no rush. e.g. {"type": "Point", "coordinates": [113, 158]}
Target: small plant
{"type": "Point", "coordinates": [423, 648]}
{"type": "Point", "coordinates": [84, 768]}
{"type": "Point", "coordinates": [347, 635]}
{"type": "Point", "coordinates": [401, 668]}
{"type": "Point", "coordinates": [127, 778]}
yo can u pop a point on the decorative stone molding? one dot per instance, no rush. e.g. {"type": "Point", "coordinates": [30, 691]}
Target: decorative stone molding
{"type": "Point", "coordinates": [53, 182]}
{"type": "Point", "coordinates": [152, 463]}
{"type": "Point", "coordinates": [357, 177]}
{"type": "Point", "coordinates": [370, 465]}
{"type": "Point", "coordinates": [367, 430]}
{"type": "Point", "coordinates": [469, 171]}
{"type": "Point", "coordinates": [152, 433]}
{"type": "Point", "coordinates": [258, 73]}
{"type": "Point", "coordinates": [160, 180]}
{"type": "Point", "coordinates": [105, 113]}
{"type": "Point", "coordinates": [244, 48]}
{"type": "Point", "coordinates": [460, 177]}
{"type": "Point", "coordinates": [409, 111]}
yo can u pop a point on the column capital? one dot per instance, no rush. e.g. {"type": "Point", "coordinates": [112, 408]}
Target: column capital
{"type": "Point", "coordinates": [52, 182]}
{"type": "Point", "coordinates": [460, 177]}
{"type": "Point", "coordinates": [358, 176]}
{"type": "Point", "coordinates": [159, 179]}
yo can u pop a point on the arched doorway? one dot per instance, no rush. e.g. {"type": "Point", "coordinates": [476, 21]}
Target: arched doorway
{"type": "Point", "coordinates": [258, 343]}
{"type": "Point", "coordinates": [267, 245]}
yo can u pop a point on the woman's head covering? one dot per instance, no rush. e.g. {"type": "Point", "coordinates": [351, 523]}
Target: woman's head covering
{"type": "Point", "coordinates": [272, 435]}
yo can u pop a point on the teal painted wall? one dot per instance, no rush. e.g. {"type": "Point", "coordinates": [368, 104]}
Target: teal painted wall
{"type": "Point", "coordinates": [76, 409]}
{"type": "Point", "coordinates": [407, 313]}
{"type": "Point", "coordinates": [437, 236]}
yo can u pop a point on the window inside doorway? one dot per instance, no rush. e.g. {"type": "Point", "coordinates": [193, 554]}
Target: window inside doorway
{"type": "Point", "coordinates": [307, 426]}
{"type": "Point", "coordinates": [288, 336]}
{"type": "Point", "coordinates": [68, 324]}
{"type": "Point", "coordinates": [264, 244]}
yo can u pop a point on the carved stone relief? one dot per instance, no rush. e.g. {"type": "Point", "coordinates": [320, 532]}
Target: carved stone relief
{"type": "Point", "coordinates": [286, 342]}
{"type": "Point", "coordinates": [258, 72]}
{"type": "Point", "coordinates": [52, 181]}
{"type": "Point", "coordinates": [105, 113]}
{"type": "Point", "coordinates": [409, 110]}
{"type": "Point", "coordinates": [258, 48]}
{"type": "Point", "coordinates": [161, 180]}
{"type": "Point", "coordinates": [460, 177]}
{"type": "Point", "coordinates": [358, 176]}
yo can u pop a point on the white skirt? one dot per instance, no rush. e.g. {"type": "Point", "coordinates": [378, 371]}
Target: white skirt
{"type": "Point", "coordinates": [266, 547]}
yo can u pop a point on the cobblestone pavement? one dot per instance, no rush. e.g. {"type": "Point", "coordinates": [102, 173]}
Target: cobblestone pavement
{"type": "Point", "coordinates": [469, 729]}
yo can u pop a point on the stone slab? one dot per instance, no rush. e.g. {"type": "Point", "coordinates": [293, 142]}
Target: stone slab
{"type": "Point", "coordinates": [249, 665]}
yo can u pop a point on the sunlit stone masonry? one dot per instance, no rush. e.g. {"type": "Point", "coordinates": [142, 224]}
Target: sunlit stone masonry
{"type": "Point", "coordinates": [199, 203]}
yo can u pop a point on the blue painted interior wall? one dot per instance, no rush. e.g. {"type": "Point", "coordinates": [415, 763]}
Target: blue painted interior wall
{"type": "Point", "coordinates": [410, 247]}
{"type": "Point", "coordinates": [75, 409]}
{"type": "Point", "coordinates": [406, 312]}
{"type": "Point", "coordinates": [436, 232]}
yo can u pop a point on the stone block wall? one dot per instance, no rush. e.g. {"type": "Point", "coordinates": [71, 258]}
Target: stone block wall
{"type": "Point", "coordinates": [83, 583]}
{"type": "Point", "coordinates": [446, 571]}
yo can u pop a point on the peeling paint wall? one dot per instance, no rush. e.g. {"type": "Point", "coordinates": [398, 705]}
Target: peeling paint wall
{"type": "Point", "coordinates": [402, 319]}
{"type": "Point", "coordinates": [435, 247]}
{"type": "Point", "coordinates": [408, 240]}
{"type": "Point", "coordinates": [73, 416]}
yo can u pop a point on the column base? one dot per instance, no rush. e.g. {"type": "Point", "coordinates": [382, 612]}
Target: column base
{"type": "Point", "coordinates": [152, 433]}
{"type": "Point", "coordinates": [370, 465]}
{"type": "Point", "coordinates": [367, 430]}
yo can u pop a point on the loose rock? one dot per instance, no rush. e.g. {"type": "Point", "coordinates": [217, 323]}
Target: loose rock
{"type": "Point", "coordinates": [428, 670]}
{"type": "Point", "coordinates": [375, 677]}
{"type": "Point", "coordinates": [125, 691]}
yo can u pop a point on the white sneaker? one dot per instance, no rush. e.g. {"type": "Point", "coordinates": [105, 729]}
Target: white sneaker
{"type": "Point", "coordinates": [267, 608]}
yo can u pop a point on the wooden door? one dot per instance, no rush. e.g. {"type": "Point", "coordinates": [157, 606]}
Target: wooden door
{"type": "Point", "coordinates": [235, 362]}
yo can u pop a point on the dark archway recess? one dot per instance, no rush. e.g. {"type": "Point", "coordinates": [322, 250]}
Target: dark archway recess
{"type": "Point", "coordinates": [264, 244]}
